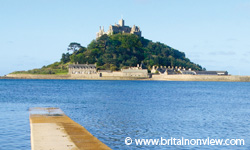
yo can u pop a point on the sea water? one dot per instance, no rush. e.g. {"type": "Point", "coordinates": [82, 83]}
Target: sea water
{"type": "Point", "coordinates": [115, 110]}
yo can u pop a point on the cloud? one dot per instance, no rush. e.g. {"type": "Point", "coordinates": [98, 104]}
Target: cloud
{"type": "Point", "coordinates": [227, 53]}
{"type": "Point", "coordinates": [194, 54]}
{"type": "Point", "coordinates": [247, 53]}
{"type": "Point", "coordinates": [10, 42]}
{"type": "Point", "coordinates": [231, 40]}
{"type": "Point", "coordinates": [195, 46]}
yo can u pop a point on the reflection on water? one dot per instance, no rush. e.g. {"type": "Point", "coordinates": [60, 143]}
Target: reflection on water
{"type": "Point", "coordinates": [114, 110]}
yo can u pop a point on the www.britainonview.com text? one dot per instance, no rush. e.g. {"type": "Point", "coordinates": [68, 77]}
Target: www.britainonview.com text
{"type": "Point", "coordinates": [183, 141]}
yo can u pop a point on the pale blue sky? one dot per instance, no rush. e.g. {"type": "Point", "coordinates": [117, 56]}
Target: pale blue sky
{"type": "Point", "coordinates": [212, 33]}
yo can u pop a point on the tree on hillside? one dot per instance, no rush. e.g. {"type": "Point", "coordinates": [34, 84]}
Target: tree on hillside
{"type": "Point", "coordinates": [65, 58]}
{"type": "Point", "coordinates": [117, 51]}
{"type": "Point", "coordinates": [74, 46]}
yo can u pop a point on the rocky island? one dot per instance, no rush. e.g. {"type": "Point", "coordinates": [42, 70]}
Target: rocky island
{"type": "Point", "coordinates": [122, 53]}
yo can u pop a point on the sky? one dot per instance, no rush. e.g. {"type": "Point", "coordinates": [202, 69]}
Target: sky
{"type": "Point", "coordinates": [212, 33]}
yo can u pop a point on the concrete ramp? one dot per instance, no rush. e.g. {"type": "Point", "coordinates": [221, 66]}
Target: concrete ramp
{"type": "Point", "coordinates": [51, 129]}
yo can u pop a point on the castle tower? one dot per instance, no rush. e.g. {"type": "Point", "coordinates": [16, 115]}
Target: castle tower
{"type": "Point", "coordinates": [121, 22]}
{"type": "Point", "coordinates": [119, 28]}
{"type": "Point", "coordinates": [100, 33]}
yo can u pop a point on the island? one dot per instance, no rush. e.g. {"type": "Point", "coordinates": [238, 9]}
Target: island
{"type": "Point", "coordinates": [122, 53]}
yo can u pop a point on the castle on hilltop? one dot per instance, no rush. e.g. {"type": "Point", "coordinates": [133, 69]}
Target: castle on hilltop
{"type": "Point", "coordinates": [119, 28]}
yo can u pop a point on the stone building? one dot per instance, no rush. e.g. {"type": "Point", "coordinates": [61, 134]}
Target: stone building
{"type": "Point", "coordinates": [119, 28]}
{"type": "Point", "coordinates": [181, 70]}
{"type": "Point", "coordinates": [82, 69]}
{"type": "Point", "coordinates": [211, 72]}
{"type": "Point", "coordinates": [135, 72]}
{"type": "Point", "coordinates": [90, 71]}
{"type": "Point", "coordinates": [163, 70]}
{"type": "Point", "coordinates": [130, 72]}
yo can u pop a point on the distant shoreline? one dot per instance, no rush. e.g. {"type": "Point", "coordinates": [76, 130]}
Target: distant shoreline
{"type": "Point", "coordinates": [229, 78]}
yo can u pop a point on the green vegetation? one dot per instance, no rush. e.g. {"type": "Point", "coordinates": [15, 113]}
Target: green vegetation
{"type": "Point", "coordinates": [122, 50]}
{"type": "Point", "coordinates": [58, 68]}
{"type": "Point", "coordinates": [118, 51]}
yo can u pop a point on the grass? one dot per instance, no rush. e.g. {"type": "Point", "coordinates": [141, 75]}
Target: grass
{"type": "Point", "coordinates": [61, 73]}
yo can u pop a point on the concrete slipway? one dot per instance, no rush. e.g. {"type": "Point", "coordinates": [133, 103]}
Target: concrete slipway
{"type": "Point", "coordinates": [51, 129]}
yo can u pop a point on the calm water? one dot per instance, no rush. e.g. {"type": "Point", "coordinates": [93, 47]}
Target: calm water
{"type": "Point", "coordinates": [114, 110]}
